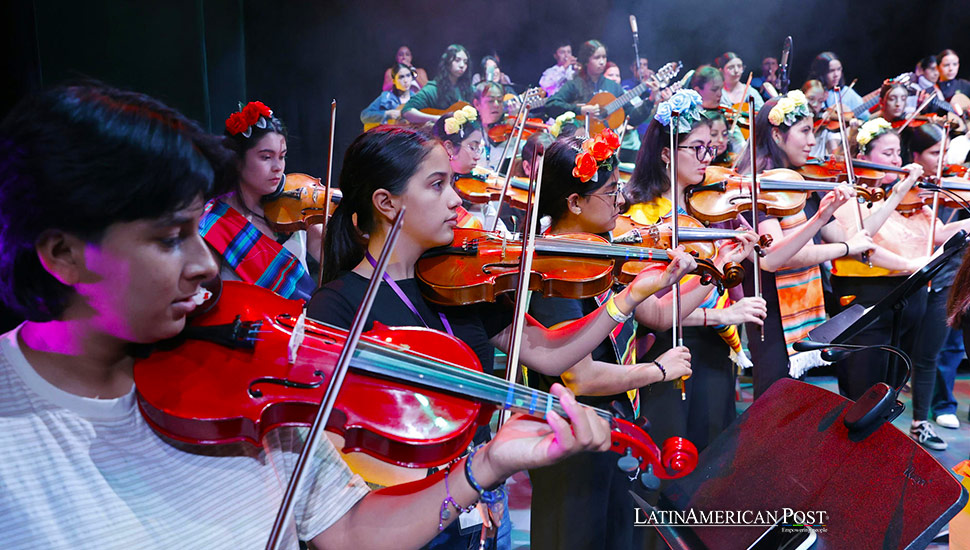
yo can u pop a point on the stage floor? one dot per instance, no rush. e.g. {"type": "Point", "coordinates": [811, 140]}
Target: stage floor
{"type": "Point", "coordinates": [958, 440]}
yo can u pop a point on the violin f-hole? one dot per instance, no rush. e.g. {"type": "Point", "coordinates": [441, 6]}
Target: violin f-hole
{"type": "Point", "coordinates": [253, 392]}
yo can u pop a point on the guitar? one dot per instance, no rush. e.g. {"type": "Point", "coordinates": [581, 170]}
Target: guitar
{"type": "Point", "coordinates": [611, 107]}
{"type": "Point", "coordinates": [438, 112]}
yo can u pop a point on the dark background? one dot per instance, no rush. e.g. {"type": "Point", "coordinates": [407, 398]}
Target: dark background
{"type": "Point", "coordinates": [202, 56]}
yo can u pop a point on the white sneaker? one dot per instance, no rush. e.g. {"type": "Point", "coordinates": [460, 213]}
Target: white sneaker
{"type": "Point", "coordinates": [922, 432]}
{"type": "Point", "coordinates": [948, 421]}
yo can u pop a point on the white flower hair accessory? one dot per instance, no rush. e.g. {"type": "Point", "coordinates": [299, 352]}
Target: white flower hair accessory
{"type": "Point", "coordinates": [685, 102]}
{"type": "Point", "coordinates": [790, 108]}
{"type": "Point", "coordinates": [454, 123]}
{"type": "Point", "coordinates": [871, 130]}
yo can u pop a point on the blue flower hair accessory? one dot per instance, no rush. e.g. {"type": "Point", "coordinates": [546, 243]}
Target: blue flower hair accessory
{"type": "Point", "coordinates": [685, 102]}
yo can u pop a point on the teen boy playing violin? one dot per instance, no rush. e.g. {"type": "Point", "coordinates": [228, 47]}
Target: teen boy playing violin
{"type": "Point", "coordinates": [101, 192]}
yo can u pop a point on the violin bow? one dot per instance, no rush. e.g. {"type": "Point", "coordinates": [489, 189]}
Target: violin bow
{"type": "Point", "coordinates": [916, 113]}
{"type": "Point", "coordinates": [756, 261]}
{"type": "Point", "coordinates": [517, 129]}
{"type": "Point", "coordinates": [326, 196]}
{"type": "Point", "coordinates": [676, 327]}
{"type": "Point", "coordinates": [333, 386]}
{"type": "Point", "coordinates": [747, 86]}
{"type": "Point", "coordinates": [525, 269]}
{"type": "Point", "coordinates": [850, 171]}
{"type": "Point", "coordinates": [936, 194]}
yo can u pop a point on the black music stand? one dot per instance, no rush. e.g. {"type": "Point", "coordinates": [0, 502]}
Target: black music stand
{"type": "Point", "coordinates": [791, 449]}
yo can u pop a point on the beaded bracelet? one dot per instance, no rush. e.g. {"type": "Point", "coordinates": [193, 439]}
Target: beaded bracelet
{"type": "Point", "coordinates": [488, 497]}
{"type": "Point", "coordinates": [663, 371]}
{"type": "Point", "coordinates": [444, 513]}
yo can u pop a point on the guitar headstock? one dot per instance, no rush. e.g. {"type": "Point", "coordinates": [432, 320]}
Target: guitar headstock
{"type": "Point", "coordinates": [666, 73]}
{"type": "Point", "coordinates": [533, 97]}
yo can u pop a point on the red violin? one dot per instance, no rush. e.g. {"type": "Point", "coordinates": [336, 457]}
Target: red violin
{"type": "Point", "coordinates": [413, 397]}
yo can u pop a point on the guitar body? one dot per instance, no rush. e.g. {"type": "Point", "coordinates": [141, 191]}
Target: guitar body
{"type": "Point", "coordinates": [596, 124]}
{"type": "Point", "coordinates": [438, 112]}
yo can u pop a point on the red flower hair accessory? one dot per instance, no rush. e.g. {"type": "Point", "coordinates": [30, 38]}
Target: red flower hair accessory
{"type": "Point", "coordinates": [596, 153]}
{"type": "Point", "coordinates": [254, 113]}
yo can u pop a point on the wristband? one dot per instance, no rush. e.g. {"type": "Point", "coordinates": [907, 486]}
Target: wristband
{"type": "Point", "coordinates": [663, 371]}
{"type": "Point", "coordinates": [704, 309]}
{"type": "Point", "coordinates": [615, 313]}
{"type": "Point", "coordinates": [846, 247]}
{"type": "Point", "coordinates": [488, 497]}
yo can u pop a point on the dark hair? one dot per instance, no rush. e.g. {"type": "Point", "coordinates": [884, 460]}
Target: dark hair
{"type": "Point", "coordinates": [610, 65]}
{"type": "Point", "coordinates": [486, 86]}
{"type": "Point", "coordinates": [925, 136]}
{"type": "Point", "coordinates": [586, 52]}
{"type": "Point", "coordinates": [945, 53]}
{"type": "Point", "coordinates": [81, 158]}
{"type": "Point", "coordinates": [770, 154]}
{"type": "Point", "coordinates": [485, 60]}
{"type": "Point", "coordinates": [240, 144]}
{"type": "Point", "coordinates": [383, 158]}
{"type": "Point", "coordinates": [928, 62]}
{"type": "Point", "coordinates": [536, 140]}
{"type": "Point", "coordinates": [396, 68]}
{"type": "Point", "coordinates": [650, 179]}
{"type": "Point", "coordinates": [820, 66]}
{"type": "Point", "coordinates": [464, 83]}
{"type": "Point", "coordinates": [456, 139]}
{"type": "Point", "coordinates": [562, 43]}
{"type": "Point", "coordinates": [958, 303]}
{"type": "Point", "coordinates": [724, 59]}
{"type": "Point", "coordinates": [705, 74]}
{"type": "Point", "coordinates": [558, 179]}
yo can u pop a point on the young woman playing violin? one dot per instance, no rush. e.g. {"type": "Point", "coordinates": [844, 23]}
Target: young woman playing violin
{"type": "Point", "coordinates": [791, 279]}
{"type": "Point", "coordinates": [235, 226]}
{"type": "Point", "coordinates": [708, 318]}
{"type": "Point", "coordinates": [926, 146]}
{"type": "Point", "coordinates": [827, 69]}
{"type": "Point", "coordinates": [391, 168]}
{"type": "Point", "coordinates": [461, 135]}
{"type": "Point", "coordinates": [452, 84]}
{"type": "Point", "coordinates": [900, 239]}
{"type": "Point", "coordinates": [734, 91]}
{"type": "Point", "coordinates": [94, 277]}
{"type": "Point", "coordinates": [584, 502]}
{"type": "Point", "coordinates": [387, 107]}
{"type": "Point", "coordinates": [404, 57]}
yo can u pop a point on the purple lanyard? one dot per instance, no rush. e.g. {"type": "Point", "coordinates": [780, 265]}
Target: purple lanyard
{"type": "Point", "coordinates": [407, 301]}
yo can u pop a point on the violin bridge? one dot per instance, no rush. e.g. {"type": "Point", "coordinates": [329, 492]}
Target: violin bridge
{"type": "Point", "coordinates": [296, 337]}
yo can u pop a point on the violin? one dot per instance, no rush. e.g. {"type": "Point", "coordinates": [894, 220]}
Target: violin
{"type": "Point", "coordinates": [500, 132]}
{"type": "Point", "coordinates": [479, 266]}
{"type": "Point", "coordinates": [738, 114]}
{"type": "Point", "coordinates": [783, 192]}
{"type": "Point", "coordinates": [697, 239]}
{"type": "Point", "coordinates": [834, 168]}
{"type": "Point", "coordinates": [482, 189]}
{"type": "Point", "coordinates": [298, 202]}
{"type": "Point", "coordinates": [413, 397]}
{"type": "Point", "coordinates": [957, 194]}
{"type": "Point", "coordinates": [829, 118]}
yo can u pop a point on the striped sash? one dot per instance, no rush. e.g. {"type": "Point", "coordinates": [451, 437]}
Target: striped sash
{"type": "Point", "coordinates": [800, 298]}
{"type": "Point", "coordinates": [256, 258]}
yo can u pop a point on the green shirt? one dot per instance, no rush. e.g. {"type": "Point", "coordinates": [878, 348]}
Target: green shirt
{"type": "Point", "coordinates": [430, 98]}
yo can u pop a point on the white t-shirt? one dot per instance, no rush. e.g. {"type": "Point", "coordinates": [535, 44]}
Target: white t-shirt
{"type": "Point", "coordinates": [77, 472]}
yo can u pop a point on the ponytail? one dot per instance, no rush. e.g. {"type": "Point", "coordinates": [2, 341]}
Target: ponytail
{"type": "Point", "coordinates": [384, 158]}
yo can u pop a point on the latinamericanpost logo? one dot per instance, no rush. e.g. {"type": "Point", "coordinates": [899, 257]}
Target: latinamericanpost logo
{"type": "Point", "coordinates": [786, 518]}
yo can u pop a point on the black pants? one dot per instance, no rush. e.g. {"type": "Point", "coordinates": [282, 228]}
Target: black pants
{"type": "Point", "coordinates": [859, 371]}
{"type": "Point", "coordinates": [582, 502]}
{"type": "Point", "coordinates": [769, 355]}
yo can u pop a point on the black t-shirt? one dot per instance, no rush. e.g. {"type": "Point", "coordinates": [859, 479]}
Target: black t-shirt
{"type": "Point", "coordinates": [552, 311]}
{"type": "Point", "coordinates": [336, 304]}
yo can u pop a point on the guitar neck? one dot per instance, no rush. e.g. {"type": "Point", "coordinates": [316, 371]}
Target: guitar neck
{"type": "Point", "coordinates": [627, 97]}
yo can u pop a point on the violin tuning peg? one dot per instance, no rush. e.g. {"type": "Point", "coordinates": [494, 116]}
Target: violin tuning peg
{"type": "Point", "coordinates": [649, 480]}
{"type": "Point", "coordinates": [628, 463]}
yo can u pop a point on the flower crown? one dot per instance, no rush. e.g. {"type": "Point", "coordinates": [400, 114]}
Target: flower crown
{"type": "Point", "coordinates": [685, 102]}
{"type": "Point", "coordinates": [254, 113]}
{"type": "Point", "coordinates": [458, 119]}
{"type": "Point", "coordinates": [568, 117]}
{"type": "Point", "coordinates": [870, 131]}
{"type": "Point", "coordinates": [790, 108]}
{"type": "Point", "coordinates": [596, 153]}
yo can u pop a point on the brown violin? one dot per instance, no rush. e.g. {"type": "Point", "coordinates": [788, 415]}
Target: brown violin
{"type": "Point", "coordinates": [413, 397]}
{"type": "Point", "coordinates": [483, 189]}
{"type": "Point", "coordinates": [479, 266]}
{"type": "Point", "coordinates": [498, 133]}
{"type": "Point", "coordinates": [697, 239]}
{"type": "Point", "coordinates": [782, 193]}
{"type": "Point", "coordinates": [834, 169]}
{"type": "Point", "coordinates": [298, 202]}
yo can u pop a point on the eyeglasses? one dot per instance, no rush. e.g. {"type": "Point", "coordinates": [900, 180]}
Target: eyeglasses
{"type": "Point", "coordinates": [701, 151]}
{"type": "Point", "coordinates": [475, 147]}
{"type": "Point", "coordinates": [615, 195]}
